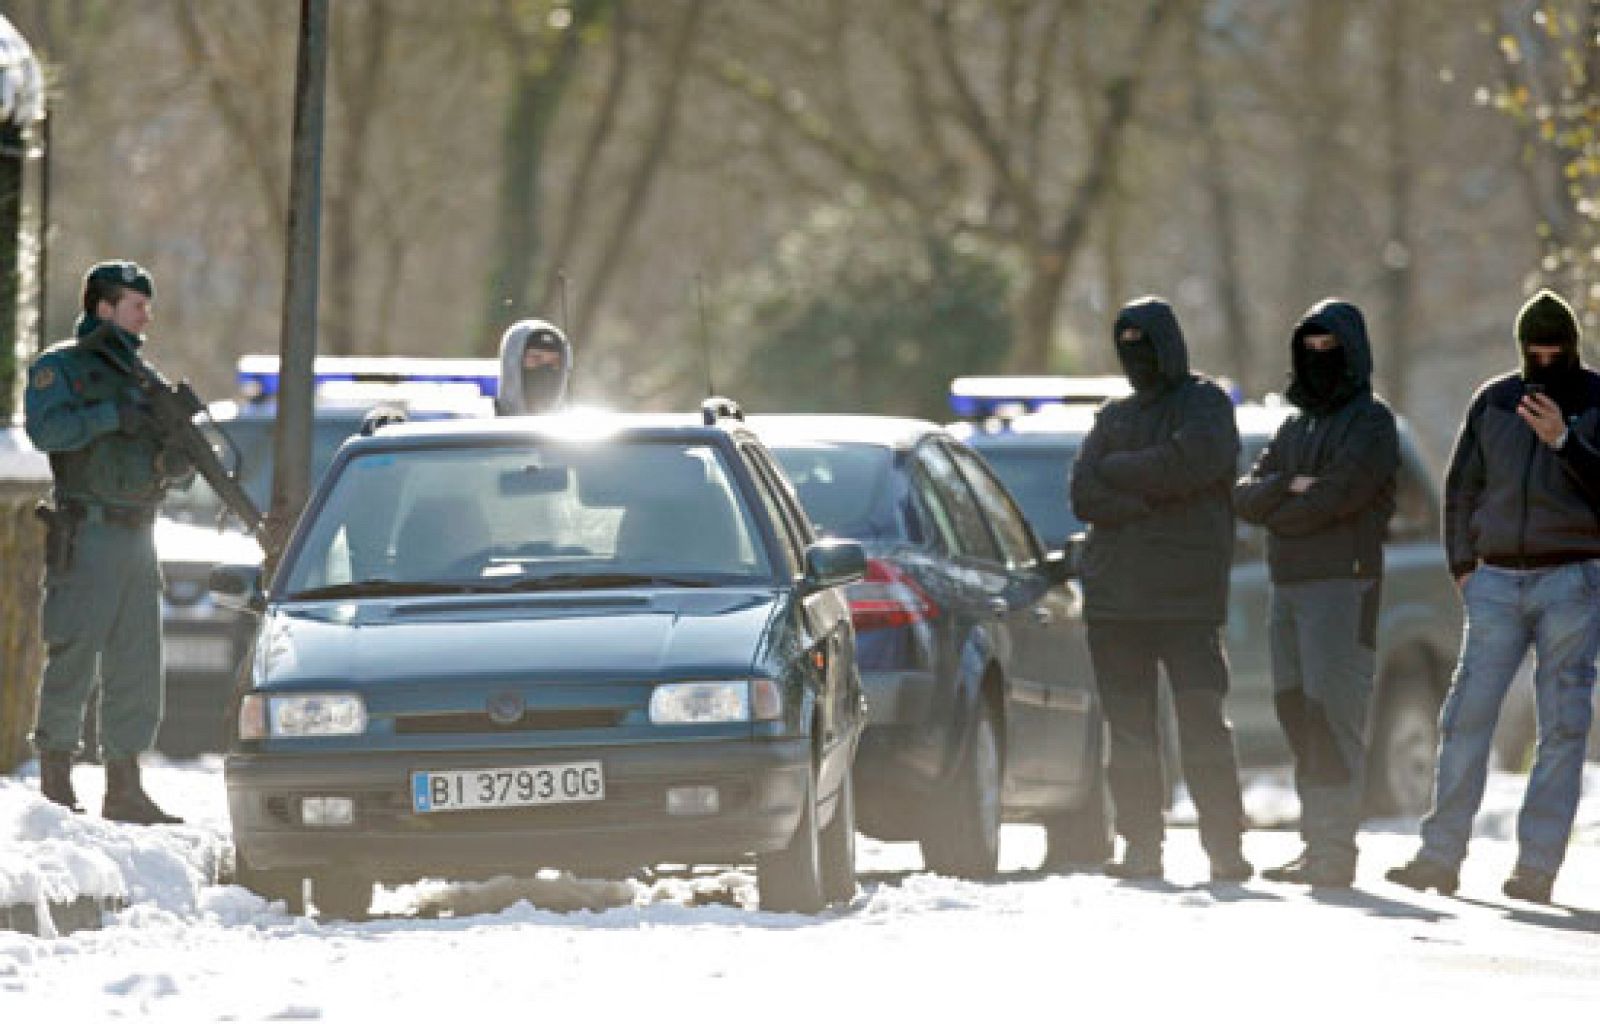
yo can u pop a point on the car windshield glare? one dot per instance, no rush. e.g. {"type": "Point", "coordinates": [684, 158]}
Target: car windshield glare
{"type": "Point", "coordinates": [528, 516]}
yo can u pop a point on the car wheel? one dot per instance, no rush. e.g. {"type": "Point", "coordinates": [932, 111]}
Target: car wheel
{"type": "Point", "coordinates": [790, 880]}
{"type": "Point", "coordinates": [838, 846]}
{"type": "Point", "coordinates": [285, 886]}
{"type": "Point", "coordinates": [962, 839]}
{"type": "Point", "coordinates": [1404, 747]}
{"type": "Point", "coordinates": [341, 895]}
{"type": "Point", "coordinates": [1082, 837]}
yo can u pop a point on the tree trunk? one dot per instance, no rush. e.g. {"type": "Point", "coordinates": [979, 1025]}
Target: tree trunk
{"type": "Point", "coordinates": [1312, 267]}
{"type": "Point", "coordinates": [1399, 267]}
{"type": "Point", "coordinates": [13, 153]}
{"type": "Point", "coordinates": [1214, 179]}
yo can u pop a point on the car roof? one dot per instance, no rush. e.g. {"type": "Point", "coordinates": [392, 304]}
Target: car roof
{"type": "Point", "coordinates": [869, 429]}
{"type": "Point", "coordinates": [576, 425]}
{"type": "Point", "coordinates": [1052, 426]}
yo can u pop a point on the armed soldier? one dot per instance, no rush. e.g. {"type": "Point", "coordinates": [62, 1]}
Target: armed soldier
{"type": "Point", "coordinates": [102, 606]}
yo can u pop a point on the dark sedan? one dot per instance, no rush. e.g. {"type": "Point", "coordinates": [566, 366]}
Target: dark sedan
{"type": "Point", "coordinates": [578, 642]}
{"type": "Point", "coordinates": [970, 643]}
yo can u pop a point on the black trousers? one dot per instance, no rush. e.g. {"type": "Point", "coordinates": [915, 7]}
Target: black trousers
{"type": "Point", "coordinates": [1126, 657]}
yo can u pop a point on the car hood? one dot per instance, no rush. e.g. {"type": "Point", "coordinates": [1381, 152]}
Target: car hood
{"type": "Point", "coordinates": [569, 638]}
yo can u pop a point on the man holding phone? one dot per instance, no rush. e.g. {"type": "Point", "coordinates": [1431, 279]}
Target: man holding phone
{"type": "Point", "coordinates": [1522, 534]}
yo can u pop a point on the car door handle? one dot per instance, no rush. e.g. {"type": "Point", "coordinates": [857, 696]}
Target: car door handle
{"type": "Point", "coordinates": [999, 607]}
{"type": "Point", "coordinates": [1043, 615]}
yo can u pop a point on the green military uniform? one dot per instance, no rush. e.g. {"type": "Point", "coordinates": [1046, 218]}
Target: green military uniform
{"type": "Point", "coordinates": [102, 607]}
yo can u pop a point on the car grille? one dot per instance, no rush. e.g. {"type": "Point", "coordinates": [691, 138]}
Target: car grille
{"type": "Point", "coordinates": [480, 724]}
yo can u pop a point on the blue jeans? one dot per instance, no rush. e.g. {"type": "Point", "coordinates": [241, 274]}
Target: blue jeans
{"type": "Point", "coordinates": [1557, 611]}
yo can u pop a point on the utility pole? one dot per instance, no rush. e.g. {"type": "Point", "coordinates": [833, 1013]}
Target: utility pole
{"type": "Point", "coordinates": [297, 347]}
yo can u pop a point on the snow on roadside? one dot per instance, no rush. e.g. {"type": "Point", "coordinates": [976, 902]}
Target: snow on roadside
{"type": "Point", "coordinates": [169, 874]}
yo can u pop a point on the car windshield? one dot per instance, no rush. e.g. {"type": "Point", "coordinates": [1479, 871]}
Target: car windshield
{"type": "Point", "coordinates": [837, 483]}
{"type": "Point", "coordinates": [530, 516]}
{"type": "Point", "coordinates": [197, 502]}
{"type": "Point", "coordinates": [1039, 480]}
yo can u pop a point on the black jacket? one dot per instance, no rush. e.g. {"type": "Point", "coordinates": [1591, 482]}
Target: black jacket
{"type": "Point", "coordinates": [1152, 482]}
{"type": "Point", "coordinates": [1349, 443]}
{"type": "Point", "coordinates": [1508, 496]}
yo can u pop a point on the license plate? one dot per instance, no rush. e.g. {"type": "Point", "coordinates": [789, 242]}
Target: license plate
{"type": "Point", "coordinates": [198, 654]}
{"type": "Point", "coordinates": [443, 791]}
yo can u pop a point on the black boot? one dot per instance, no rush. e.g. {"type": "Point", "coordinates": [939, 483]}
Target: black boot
{"type": "Point", "coordinates": [1422, 874]}
{"type": "Point", "coordinates": [1529, 885]}
{"type": "Point", "coordinates": [1292, 872]}
{"type": "Point", "coordinates": [1138, 863]}
{"type": "Point", "coordinates": [126, 801]}
{"type": "Point", "coordinates": [1231, 868]}
{"type": "Point", "coordinates": [55, 779]}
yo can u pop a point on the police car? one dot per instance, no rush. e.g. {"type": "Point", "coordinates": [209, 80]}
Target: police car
{"type": "Point", "coordinates": [1031, 435]}
{"type": "Point", "coordinates": [204, 643]}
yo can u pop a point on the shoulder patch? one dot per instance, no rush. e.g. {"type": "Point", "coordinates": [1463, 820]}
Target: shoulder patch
{"type": "Point", "coordinates": [43, 378]}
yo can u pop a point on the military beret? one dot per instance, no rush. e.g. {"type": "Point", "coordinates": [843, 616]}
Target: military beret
{"type": "Point", "coordinates": [124, 273]}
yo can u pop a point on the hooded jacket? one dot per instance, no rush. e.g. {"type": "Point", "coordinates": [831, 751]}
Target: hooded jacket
{"type": "Point", "coordinates": [1346, 439]}
{"type": "Point", "coordinates": [1152, 482]}
{"type": "Point", "coordinates": [1511, 499]}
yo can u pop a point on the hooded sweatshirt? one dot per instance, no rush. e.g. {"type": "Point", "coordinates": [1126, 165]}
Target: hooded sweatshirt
{"type": "Point", "coordinates": [1152, 482]}
{"type": "Point", "coordinates": [1345, 438]}
{"type": "Point", "coordinates": [1509, 498]}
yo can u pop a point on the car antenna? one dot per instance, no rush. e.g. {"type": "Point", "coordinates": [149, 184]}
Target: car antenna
{"type": "Point", "coordinates": [705, 333]}
{"type": "Point", "coordinates": [566, 329]}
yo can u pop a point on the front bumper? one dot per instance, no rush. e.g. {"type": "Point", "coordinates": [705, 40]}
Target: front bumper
{"type": "Point", "coordinates": [761, 784]}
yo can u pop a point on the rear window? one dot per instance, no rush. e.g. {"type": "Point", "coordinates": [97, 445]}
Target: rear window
{"type": "Point", "coordinates": [1038, 479]}
{"type": "Point", "coordinates": [838, 483]}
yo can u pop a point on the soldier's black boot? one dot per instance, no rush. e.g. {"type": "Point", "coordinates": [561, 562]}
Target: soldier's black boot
{"type": "Point", "coordinates": [55, 779]}
{"type": "Point", "coordinates": [126, 801]}
{"type": "Point", "coordinates": [1422, 874]}
{"type": "Point", "coordinates": [1529, 885]}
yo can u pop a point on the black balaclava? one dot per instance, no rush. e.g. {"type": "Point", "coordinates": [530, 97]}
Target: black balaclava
{"type": "Point", "coordinates": [1547, 320]}
{"type": "Point", "coordinates": [1140, 362]}
{"type": "Point", "coordinates": [542, 387]}
{"type": "Point", "coordinates": [1324, 372]}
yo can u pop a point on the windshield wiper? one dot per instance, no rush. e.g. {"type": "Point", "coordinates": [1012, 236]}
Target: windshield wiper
{"type": "Point", "coordinates": [610, 579]}
{"type": "Point", "coordinates": [384, 587]}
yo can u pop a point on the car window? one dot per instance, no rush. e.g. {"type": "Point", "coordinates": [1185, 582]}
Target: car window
{"type": "Point", "coordinates": [1009, 528]}
{"type": "Point", "coordinates": [930, 522]}
{"type": "Point", "coordinates": [493, 516]}
{"type": "Point", "coordinates": [970, 534]}
{"type": "Point", "coordinates": [782, 525]}
{"type": "Point", "coordinates": [1040, 480]}
{"type": "Point", "coordinates": [838, 483]}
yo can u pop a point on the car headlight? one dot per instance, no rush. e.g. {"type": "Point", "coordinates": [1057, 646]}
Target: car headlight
{"type": "Point", "coordinates": [715, 702]}
{"type": "Point", "coordinates": [301, 716]}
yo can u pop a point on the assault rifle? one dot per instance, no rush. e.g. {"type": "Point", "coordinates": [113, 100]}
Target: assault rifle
{"type": "Point", "coordinates": [174, 408]}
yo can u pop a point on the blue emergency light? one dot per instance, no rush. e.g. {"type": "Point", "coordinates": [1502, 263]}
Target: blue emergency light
{"type": "Point", "coordinates": [981, 396]}
{"type": "Point", "coordinates": [258, 375]}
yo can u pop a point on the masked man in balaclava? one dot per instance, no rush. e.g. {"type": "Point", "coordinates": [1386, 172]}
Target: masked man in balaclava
{"type": "Point", "coordinates": [1153, 482]}
{"type": "Point", "coordinates": [1324, 489]}
{"type": "Point", "coordinates": [1522, 534]}
{"type": "Point", "coordinates": [535, 368]}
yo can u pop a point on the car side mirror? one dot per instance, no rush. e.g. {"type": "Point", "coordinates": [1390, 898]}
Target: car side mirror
{"type": "Point", "coordinates": [833, 562]}
{"type": "Point", "coordinates": [1066, 563]}
{"type": "Point", "coordinates": [238, 587]}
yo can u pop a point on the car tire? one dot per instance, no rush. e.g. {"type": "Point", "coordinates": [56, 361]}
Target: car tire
{"type": "Point", "coordinates": [838, 846]}
{"type": "Point", "coordinates": [285, 886]}
{"type": "Point", "coordinates": [962, 836]}
{"type": "Point", "coordinates": [1405, 744]}
{"type": "Point", "coordinates": [790, 879]}
{"type": "Point", "coordinates": [1082, 837]}
{"type": "Point", "coordinates": [341, 895]}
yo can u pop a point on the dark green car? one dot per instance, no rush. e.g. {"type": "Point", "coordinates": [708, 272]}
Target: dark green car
{"type": "Point", "coordinates": [588, 642]}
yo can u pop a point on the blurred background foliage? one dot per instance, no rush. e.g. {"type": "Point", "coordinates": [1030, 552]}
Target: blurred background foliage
{"type": "Point", "coordinates": [873, 197]}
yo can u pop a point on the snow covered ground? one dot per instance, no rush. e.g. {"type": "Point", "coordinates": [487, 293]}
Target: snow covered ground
{"type": "Point", "coordinates": [913, 946]}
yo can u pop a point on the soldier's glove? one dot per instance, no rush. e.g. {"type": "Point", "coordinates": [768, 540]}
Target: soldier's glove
{"type": "Point", "coordinates": [136, 419]}
{"type": "Point", "coordinates": [173, 465]}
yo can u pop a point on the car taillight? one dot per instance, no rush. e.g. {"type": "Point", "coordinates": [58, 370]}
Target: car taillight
{"type": "Point", "coordinates": [887, 597]}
